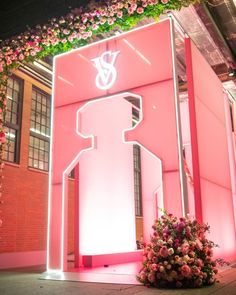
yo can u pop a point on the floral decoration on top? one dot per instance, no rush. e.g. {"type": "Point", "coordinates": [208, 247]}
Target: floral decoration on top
{"type": "Point", "coordinates": [179, 255]}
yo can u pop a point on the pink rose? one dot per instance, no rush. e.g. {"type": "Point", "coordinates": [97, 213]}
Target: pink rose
{"type": "Point", "coordinates": [185, 270]}
{"type": "Point", "coordinates": [196, 271]}
{"type": "Point", "coordinates": [110, 21]}
{"type": "Point", "coordinates": [94, 27]}
{"type": "Point", "coordinates": [119, 14]}
{"type": "Point", "coordinates": [142, 276]}
{"type": "Point", "coordinates": [185, 249]}
{"type": "Point", "coordinates": [199, 262]}
{"type": "Point", "coordinates": [2, 137]}
{"type": "Point", "coordinates": [144, 4]}
{"type": "Point", "coordinates": [164, 1]}
{"type": "Point", "coordinates": [140, 10]}
{"type": "Point", "coordinates": [199, 245]}
{"type": "Point", "coordinates": [151, 277]}
{"type": "Point", "coordinates": [150, 255]}
{"type": "Point", "coordinates": [163, 251]}
{"type": "Point", "coordinates": [130, 10]}
{"type": "Point", "coordinates": [154, 266]}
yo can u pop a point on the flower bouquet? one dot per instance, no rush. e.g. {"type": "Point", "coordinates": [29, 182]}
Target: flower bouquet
{"type": "Point", "coordinates": [179, 255]}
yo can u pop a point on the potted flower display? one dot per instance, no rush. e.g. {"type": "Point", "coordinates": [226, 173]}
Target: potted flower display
{"type": "Point", "coordinates": [178, 255]}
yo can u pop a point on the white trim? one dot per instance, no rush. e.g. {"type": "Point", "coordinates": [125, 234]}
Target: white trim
{"type": "Point", "coordinates": [178, 121]}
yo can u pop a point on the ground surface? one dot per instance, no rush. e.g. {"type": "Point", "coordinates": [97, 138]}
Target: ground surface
{"type": "Point", "coordinates": [29, 282]}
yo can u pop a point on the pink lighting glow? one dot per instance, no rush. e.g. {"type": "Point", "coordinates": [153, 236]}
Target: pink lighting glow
{"type": "Point", "coordinates": [93, 126]}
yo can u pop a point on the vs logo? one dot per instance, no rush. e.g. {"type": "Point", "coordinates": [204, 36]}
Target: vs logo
{"type": "Point", "coordinates": [107, 73]}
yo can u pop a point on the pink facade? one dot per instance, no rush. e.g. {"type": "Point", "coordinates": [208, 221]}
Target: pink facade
{"type": "Point", "coordinates": [92, 126]}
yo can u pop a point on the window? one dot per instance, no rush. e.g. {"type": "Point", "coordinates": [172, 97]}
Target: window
{"type": "Point", "coordinates": [137, 180]}
{"type": "Point", "coordinates": [39, 130]}
{"type": "Point", "coordinates": [13, 119]}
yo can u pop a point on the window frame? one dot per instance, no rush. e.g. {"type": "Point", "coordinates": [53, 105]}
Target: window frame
{"type": "Point", "coordinates": [16, 127]}
{"type": "Point", "coordinates": [37, 135]}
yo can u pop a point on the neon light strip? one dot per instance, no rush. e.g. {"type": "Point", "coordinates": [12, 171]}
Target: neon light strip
{"type": "Point", "coordinates": [66, 81]}
{"type": "Point", "coordinates": [137, 52]}
{"type": "Point", "coordinates": [178, 121]}
{"type": "Point", "coordinates": [50, 173]}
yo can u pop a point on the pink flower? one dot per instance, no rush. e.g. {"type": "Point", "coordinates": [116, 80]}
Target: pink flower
{"type": "Point", "coordinates": [154, 266]}
{"type": "Point", "coordinates": [144, 4]}
{"type": "Point", "coordinates": [102, 21]}
{"type": "Point", "coordinates": [94, 27]}
{"type": "Point", "coordinates": [196, 271]}
{"type": "Point", "coordinates": [150, 255]}
{"type": "Point", "coordinates": [120, 5]}
{"type": "Point", "coordinates": [185, 270]}
{"type": "Point", "coordinates": [1, 68]}
{"type": "Point", "coordinates": [111, 21]}
{"type": "Point", "coordinates": [163, 251]}
{"type": "Point", "coordinates": [70, 38]}
{"type": "Point", "coordinates": [84, 19]}
{"type": "Point", "coordinates": [119, 14]}
{"type": "Point", "coordinates": [134, 6]}
{"type": "Point", "coordinates": [199, 244]}
{"type": "Point", "coordinates": [140, 10]}
{"type": "Point", "coordinates": [151, 277]}
{"type": "Point", "coordinates": [2, 137]}
{"type": "Point", "coordinates": [21, 56]}
{"type": "Point", "coordinates": [185, 249]}
{"type": "Point", "coordinates": [210, 252]}
{"type": "Point", "coordinates": [199, 262]}
{"type": "Point", "coordinates": [164, 1]}
{"type": "Point", "coordinates": [130, 10]}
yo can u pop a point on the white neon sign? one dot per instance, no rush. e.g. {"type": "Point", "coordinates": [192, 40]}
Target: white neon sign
{"type": "Point", "coordinates": [107, 73]}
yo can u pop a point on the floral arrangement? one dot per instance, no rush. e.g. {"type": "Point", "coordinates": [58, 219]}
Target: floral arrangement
{"type": "Point", "coordinates": [179, 255]}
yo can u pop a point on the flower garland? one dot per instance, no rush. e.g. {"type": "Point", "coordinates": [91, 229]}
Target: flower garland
{"type": "Point", "coordinates": [74, 30]}
{"type": "Point", "coordinates": [179, 255]}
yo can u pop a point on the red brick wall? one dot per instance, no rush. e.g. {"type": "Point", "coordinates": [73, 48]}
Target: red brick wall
{"type": "Point", "coordinates": [25, 190]}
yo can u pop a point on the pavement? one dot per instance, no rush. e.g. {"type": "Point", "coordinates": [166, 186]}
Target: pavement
{"type": "Point", "coordinates": [28, 281]}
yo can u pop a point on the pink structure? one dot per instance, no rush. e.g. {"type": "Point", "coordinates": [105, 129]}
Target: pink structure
{"type": "Point", "coordinates": [96, 89]}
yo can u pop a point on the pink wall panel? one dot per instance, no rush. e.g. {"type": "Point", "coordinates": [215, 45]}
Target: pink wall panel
{"type": "Point", "coordinates": [151, 185]}
{"type": "Point", "coordinates": [141, 48]}
{"type": "Point", "coordinates": [106, 184]}
{"type": "Point", "coordinates": [218, 212]}
{"type": "Point", "coordinates": [215, 183]}
{"type": "Point", "coordinates": [212, 145]}
{"type": "Point", "coordinates": [157, 132]}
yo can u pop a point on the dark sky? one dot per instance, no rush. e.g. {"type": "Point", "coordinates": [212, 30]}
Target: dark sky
{"type": "Point", "coordinates": [15, 15]}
